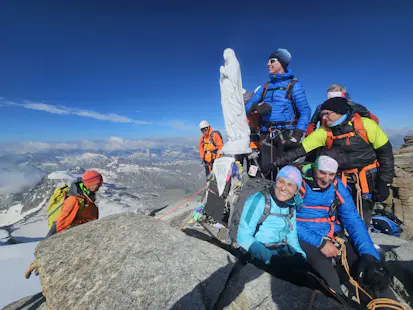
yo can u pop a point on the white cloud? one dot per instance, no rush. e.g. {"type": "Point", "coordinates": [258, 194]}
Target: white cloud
{"type": "Point", "coordinates": [45, 108]}
{"type": "Point", "coordinates": [16, 180]}
{"type": "Point", "coordinates": [182, 125]}
{"type": "Point", "coordinates": [110, 144]}
{"type": "Point", "coordinates": [112, 117]}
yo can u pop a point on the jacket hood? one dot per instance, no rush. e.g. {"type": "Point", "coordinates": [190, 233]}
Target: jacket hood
{"type": "Point", "coordinates": [288, 75]}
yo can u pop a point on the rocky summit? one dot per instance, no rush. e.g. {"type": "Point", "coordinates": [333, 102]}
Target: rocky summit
{"type": "Point", "coordinates": [132, 261]}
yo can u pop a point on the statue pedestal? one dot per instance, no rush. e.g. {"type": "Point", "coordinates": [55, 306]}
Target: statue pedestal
{"type": "Point", "coordinates": [236, 147]}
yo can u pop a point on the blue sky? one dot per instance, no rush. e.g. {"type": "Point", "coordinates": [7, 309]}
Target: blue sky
{"type": "Point", "coordinates": [98, 69]}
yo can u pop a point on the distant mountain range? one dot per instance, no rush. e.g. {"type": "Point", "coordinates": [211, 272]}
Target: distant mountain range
{"type": "Point", "coordinates": [145, 178]}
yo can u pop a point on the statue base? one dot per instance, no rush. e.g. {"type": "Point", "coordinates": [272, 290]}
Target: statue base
{"type": "Point", "coordinates": [237, 147]}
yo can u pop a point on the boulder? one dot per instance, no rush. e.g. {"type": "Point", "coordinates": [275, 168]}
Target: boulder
{"type": "Point", "coordinates": [402, 186]}
{"type": "Point", "coordinates": [132, 261]}
{"type": "Point", "coordinates": [403, 202]}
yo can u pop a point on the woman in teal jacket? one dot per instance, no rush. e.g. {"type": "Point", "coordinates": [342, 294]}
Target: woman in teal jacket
{"type": "Point", "coordinates": [277, 235]}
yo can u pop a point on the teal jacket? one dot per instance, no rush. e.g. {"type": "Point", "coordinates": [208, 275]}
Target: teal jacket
{"type": "Point", "coordinates": [274, 229]}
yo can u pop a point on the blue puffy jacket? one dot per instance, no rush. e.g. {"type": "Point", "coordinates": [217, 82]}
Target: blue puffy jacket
{"type": "Point", "coordinates": [313, 233]}
{"type": "Point", "coordinates": [282, 108]}
{"type": "Point", "coordinates": [273, 230]}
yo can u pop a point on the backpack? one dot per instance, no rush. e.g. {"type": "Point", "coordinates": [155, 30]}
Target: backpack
{"type": "Point", "coordinates": [363, 112]}
{"type": "Point", "coordinates": [288, 95]}
{"type": "Point", "coordinates": [211, 138]}
{"type": "Point", "coordinates": [358, 130]}
{"type": "Point", "coordinates": [386, 223]}
{"type": "Point", "coordinates": [250, 187]}
{"type": "Point", "coordinates": [56, 201]}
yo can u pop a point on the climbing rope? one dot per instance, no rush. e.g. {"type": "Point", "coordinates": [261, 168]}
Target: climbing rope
{"type": "Point", "coordinates": [181, 204]}
{"type": "Point", "coordinates": [374, 303]}
{"type": "Point", "coordinates": [359, 199]}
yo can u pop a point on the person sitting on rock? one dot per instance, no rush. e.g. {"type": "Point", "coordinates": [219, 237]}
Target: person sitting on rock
{"type": "Point", "coordinates": [362, 149]}
{"type": "Point", "coordinates": [267, 226]}
{"type": "Point", "coordinates": [327, 210]}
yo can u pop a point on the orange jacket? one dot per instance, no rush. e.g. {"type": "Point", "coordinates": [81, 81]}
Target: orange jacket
{"type": "Point", "coordinates": [209, 146]}
{"type": "Point", "coordinates": [70, 216]}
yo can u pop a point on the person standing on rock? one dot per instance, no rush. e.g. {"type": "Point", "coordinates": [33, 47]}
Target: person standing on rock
{"type": "Point", "coordinates": [283, 109]}
{"type": "Point", "coordinates": [79, 207]}
{"type": "Point", "coordinates": [274, 234]}
{"type": "Point", "coordinates": [210, 145]}
{"type": "Point", "coordinates": [360, 146]}
{"type": "Point", "coordinates": [327, 210]}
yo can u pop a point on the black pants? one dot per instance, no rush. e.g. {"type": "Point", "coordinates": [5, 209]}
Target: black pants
{"type": "Point", "coordinates": [273, 148]}
{"type": "Point", "coordinates": [334, 276]}
{"type": "Point", "coordinates": [292, 269]}
{"type": "Point", "coordinates": [208, 166]}
{"type": "Point", "coordinates": [52, 230]}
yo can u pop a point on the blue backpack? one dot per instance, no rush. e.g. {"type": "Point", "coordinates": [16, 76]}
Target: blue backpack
{"type": "Point", "coordinates": [386, 223]}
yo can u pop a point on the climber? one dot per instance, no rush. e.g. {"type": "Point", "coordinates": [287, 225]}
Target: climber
{"type": "Point", "coordinates": [327, 210]}
{"type": "Point", "coordinates": [265, 234]}
{"type": "Point", "coordinates": [336, 90]}
{"type": "Point", "coordinates": [359, 145]}
{"type": "Point", "coordinates": [210, 145]}
{"type": "Point", "coordinates": [78, 208]}
{"type": "Point", "coordinates": [282, 106]}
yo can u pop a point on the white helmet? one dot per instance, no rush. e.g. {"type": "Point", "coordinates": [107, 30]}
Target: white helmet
{"type": "Point", "coordinates": [203, 124]}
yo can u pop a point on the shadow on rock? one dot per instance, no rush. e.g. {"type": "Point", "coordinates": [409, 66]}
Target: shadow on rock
{"type": "Point", "coordinates": [402, 281]}
{"type": "Point", "coordinates": [37, 301]}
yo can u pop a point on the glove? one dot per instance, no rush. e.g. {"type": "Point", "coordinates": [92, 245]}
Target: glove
{"type": "Point", "coordinates": [262, 108]}
{"type": "Point", "coordinates": [382, 191]}
{"type": "Point", "coordinates": [372, 273]}
{"type": "Point", "coordinates": [295, 137]}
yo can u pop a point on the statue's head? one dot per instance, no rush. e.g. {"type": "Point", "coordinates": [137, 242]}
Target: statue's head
{"type": "Point", "coordinates": [229, 55]}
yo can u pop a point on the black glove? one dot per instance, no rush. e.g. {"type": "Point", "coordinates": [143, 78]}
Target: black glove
{"type": "Point", "coordinates": [289, 156]}
{"type": "Point", "coordinates": [262, 108]}
{"type": "Point", "coordinates": [382, 191]}
{"type": "Point", "coordinates": [294, 137]}
{"type": "Point", "coordinates": [372, 273]}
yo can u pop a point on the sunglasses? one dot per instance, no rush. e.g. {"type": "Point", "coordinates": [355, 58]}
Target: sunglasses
{"type": "Point", "coordinates": [204, 129]}
{"type": "Point", "coordinates": [273, 60]}
{"type": "Point", "coordinates": [326, 114]}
